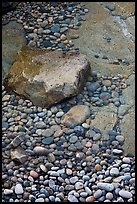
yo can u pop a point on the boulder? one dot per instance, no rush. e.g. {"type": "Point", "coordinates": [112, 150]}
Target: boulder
{"type": "Point", "coordinates": [47, 77]}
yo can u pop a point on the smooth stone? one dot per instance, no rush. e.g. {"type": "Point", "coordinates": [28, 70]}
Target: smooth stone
{"type": "Point", "coordinates": [109, 196]}
{"type": "Point", "coordinates": [73, 139]}
{"type": "Point", "coordinates": [39, 200]}
{"type": "Point", "coordinates": [105, 96]}
{"type": "Point", "coordinates": [73, 179]}
{"type": "Point", "coordinates": [126, 160]}
{"type": "Point", "coordinates": [96, 136]}
{"type": "Point", "coordinates": [114, 171]}
{"type": "Point", "coordinates": [120, 138]}
{"type": "Point", "coordinates": [76, 115]}
{"type": "Point", "coordinates": [78, 185]}
{"type": "Point", "coordinates": [125, 194]}
{"type": "Point", "coordinates": [48, 140]}
{"type": "Point", "coordinates": [34, 174]}
{"type": "Point", "coordinates": [40, 125]}
{"type": "Point", "coordinates": [92, 86]}
{"type": "Point", "coordinates": [8, 191]}
{"type": "Point", "coordinates": [40, 151]}
{"type": "Point", "coordinates": [19, 189]}
{"type": "Point", "coordinates": [72, 198]}
{"type": "Point", "coordinates": [90, 199]}
{"type": "Point", "coordinates": [117, 151]}
{"type": "Point", "coordinates": [105, 186]}
{"type": "Point", "coordinates": [51, 157]}
{"type": "Point", "coordinates": [97, 194]}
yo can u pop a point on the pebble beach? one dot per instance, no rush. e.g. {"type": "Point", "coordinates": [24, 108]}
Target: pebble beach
{"type": "Point", "coordinates": [42, 159]}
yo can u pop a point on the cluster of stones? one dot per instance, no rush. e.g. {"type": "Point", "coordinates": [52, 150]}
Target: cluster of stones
{"type": "Point", "coordinates": [64, 158]}
{"type": "Point", "coordinates": [48, 22]}
{"type": "Point", "coordinates": [102, 90]}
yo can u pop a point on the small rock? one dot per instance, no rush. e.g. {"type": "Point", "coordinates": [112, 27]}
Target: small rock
{"type": "Point", "coordinates": [98, 167]}
{"type": "Point", "coordinates": [111, 7]}
{"type": "Point", "coordinates": [105, 186]}
{"type": "Point", "coordinates": [73, 179]}
{"type": "Point", "coordinates": [117, 151]}
{"type": "Point", "coordinates": [34, 174]}
{"type": "Point", "coordinates": [106, 82]}
{"type": "Point", "coordinates": [114, 171]}
{"type": "Point", "coordinates": [51, 157]}
{"type": "Point", "coordinates": [39, 200]}
{"type": "Point", "coordinates": [47, 141]}
{"type": "Point", "coordinates": [126, 160]}
{"type": "Point", "coordinates": [8, 191]}
{"type": "Point", "coordinates": [78, 185]}
{"type": "Point", "coordinates": [18, 189]}
{"type": "Point", "coordinates": [72, 198]}
{"type": "Point", "coordinates": [98, 194]}
{"type": "Point", "coordinates": [109, 196]}
{"type": "Point", "coordinates": [18, 155]}
{"type": "Point", "coordinates": [90, 199]}
{"type": "Point", "coordinates": [125, 194]}
{"type": "Point", "coordinates": [76, 115]}
{"type": "Point", "coordinates": [68, 171]}
{"type": "Point", "coordinates": [40, 151]}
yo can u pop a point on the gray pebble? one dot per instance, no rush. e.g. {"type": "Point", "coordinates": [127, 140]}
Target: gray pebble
{"type": "Point", "coordinates": [126, 160]}
{"type": "Point", "coordinates": [98, 194]}
{"type": "Point", "coordinates": [114, 171]}
{"type": "Point", "coordinates": [72, 198]}
{"type": "Point", "coordinates": [105, 186]}
{"type": "Point", "coordinates": [125, 194]}
{"type": "Point", "coordinates": [109, 196]}
{"type": "Point", "coordinates": [73, 179]}
{"type": "Point", "coordinates": [19, 189]}
{"type": "Point", "coordinates": [78, 185]}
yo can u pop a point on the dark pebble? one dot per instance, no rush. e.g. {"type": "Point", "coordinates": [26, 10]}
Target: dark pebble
{"type": "Point", "coordinates": [47, 140]}
{"type": "Point", "coordinates": [79, 130]}
{"type": "Point", "coordinates": [112, 133]}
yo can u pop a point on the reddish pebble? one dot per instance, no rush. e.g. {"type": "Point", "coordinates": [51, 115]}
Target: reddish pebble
{"type": "Point", "coordinates": [34, 174]}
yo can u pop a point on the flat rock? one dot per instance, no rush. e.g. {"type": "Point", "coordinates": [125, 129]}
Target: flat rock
{"type": "Point", "coordinates": [76, 115]}
{"type": "Point", "coordinates": [44, 81]}
{"type": "Point", "coordinates": [13, 39]}
{"type": "Point", "coordinates": [18, 155]}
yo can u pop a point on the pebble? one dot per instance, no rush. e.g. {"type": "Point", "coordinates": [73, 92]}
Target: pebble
{"type": "Point", "coordinates": [105, 186]}
{"type": "Point", "coordinates": [73, 179]}
{"type": "Point", "coordinates": [19, 189]}
{"type": "Point", "coordinates": [8, 191]}
{"type": "Point", "coordinates": [114, 171]}
{"type": "Point", "coordinates": [78, 185]}
{"type": "Point", "coordinates": [126, 160]}
{"type": "Point", "coordinates": [39, 200]}
{"type": "Point", "coordinates": [109, 196]}
{"type": "Point", "coordinates": [72, 198]}
{"type": "Point", "coordinates": [98, 194]}
{"type": "Point", "coordinates": [34, 174]}
{"type": "Point", "coordinates": [40, 150]}
{"type": "Point", "coordinates": [125, 194]}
